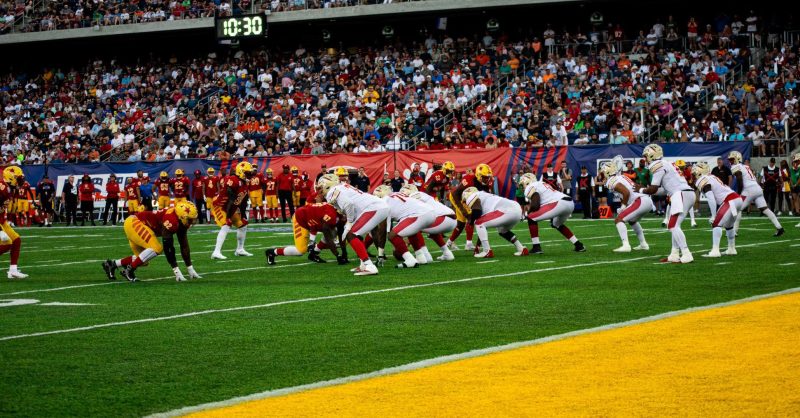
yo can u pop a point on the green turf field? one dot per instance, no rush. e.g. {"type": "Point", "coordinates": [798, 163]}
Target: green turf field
{"type": "Point", "coordinates": [157, 345]}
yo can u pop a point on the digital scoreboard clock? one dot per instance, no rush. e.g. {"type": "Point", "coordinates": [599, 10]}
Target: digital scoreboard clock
{"type": "Point", "coordinates": [241, 27]}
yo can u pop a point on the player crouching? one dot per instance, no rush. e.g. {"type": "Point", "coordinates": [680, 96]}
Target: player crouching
{"type": "Point", "coordinates": [547, 203]}
{"type": "Point", "coordinates": [142, 230]}
{"type": "Point", "coordinates": [725, 205]}
{"type": "Point", "coordinates": [444, 223]}
{"type": "Point", "coordinates": [9, 239]}
{"type": "Point", "coordinates": [227, 209]}
{"type": "Point", "coordinates": [411, 217]}
{"type": "Point", "coordinates": [307, 222]}
{"type": "Point", "coordinates": [636, 206]}
{"type": "Point", "coordinates": [488, 210]}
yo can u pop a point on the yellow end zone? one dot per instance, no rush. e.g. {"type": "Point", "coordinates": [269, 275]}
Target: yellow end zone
{"type": "Point", "coordinates": [740, 360]}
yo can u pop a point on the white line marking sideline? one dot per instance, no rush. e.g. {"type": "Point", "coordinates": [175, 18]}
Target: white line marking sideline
{"type": "Point", "coordinates": [313, 299]}
{"type": "Point", "coordinates": [461, 356]}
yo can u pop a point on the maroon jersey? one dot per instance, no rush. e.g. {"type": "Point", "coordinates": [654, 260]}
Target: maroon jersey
{"type": "Point", "coordinates": [163, 187]}
{"type": "Point", "coordinates": [230, 183]}
{"type": "Point", "coordinates": [212, 186]}
{"type": "Point", "coordinates": [437, 182]}
{"type": "Point", "coordinates": [160, 221]}
{"type": "Point", "coordinates": [314, 216]}
{"type": "Point", "coordinates": [132, 191]}
{"type": "Point", "coordinates": [180, 186]}
{"type": "Point", "coordinates": [197, 188]}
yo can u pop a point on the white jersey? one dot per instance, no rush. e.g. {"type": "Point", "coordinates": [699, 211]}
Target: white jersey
{"type": "Point", "coordinates": [351, 201]}
{"type": "Point", "coordinates": [749, 181]}
{"type": "Point", "coordinates": [547, 194]}
{"type": "Point", "coordinates": [627, 183]}
{"type": "Point", "coordinates": [438, 208]}
{"type": "Point", "coordinates": [666, 175]}
{"type": "Point", "coordinates": [402, 206]}
{"type": "Point", "coordinates": [718, 189]}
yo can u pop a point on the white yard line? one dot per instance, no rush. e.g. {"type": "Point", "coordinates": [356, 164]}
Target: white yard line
{"type": "Point", "coordinates": [57, 264]}
{"type": "Point", "coordinates": [312, 299]}
{"type": "Point", "coordinates": [487, 261]}
{"type": "Point", "coordinates": [460, 356]}
{"type": "Point", "coordinates": [787, 264]}
{"type": "Point", "coordinates": [106, 283]}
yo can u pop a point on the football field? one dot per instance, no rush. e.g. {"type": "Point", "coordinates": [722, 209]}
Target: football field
{"type": "Point", "coordinates": [74, 344]}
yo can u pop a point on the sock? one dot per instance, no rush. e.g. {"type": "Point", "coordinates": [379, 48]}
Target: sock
{"type": "Point", "coordinates": [12, 268]}
{"type": "Point", "coordinates": [773, 218]}
{"type": "Point", "coordinates": [381, 252]}
{"type": "Point", "coordinates": [666, 215]}
{"type": "Point", "coordinates": [731, 237]}
{"type": "Point", "coordinates": [483, 236]}
{"type": "Point", "coordinates": [691, 215]}
{"type": "Point", "coordinates": [438, 239]}
{"type": "Point", "coordinates": [5, 248]}
{"type": "Point", "coordinates": [409, 259]}
{"type": "Point", "coordinates": [623, 232]}
{"type": "Point", "coordinates": [241, 234]}
{"type": "Point", "coordinates": [456, 232]}
{"type": "Point", "coordinates": [680, 238]}
{"type": "Point", "coordinates": [637, 227]}
{"type": "Point", "coordinates": [290, 251]}
{"type": "Point", "coordinates": [533, 227]}
{"type": "Point", "coordinates": [15, 246]}
{"type": "Point", "coordinates": [567, 234]}
{"type": "Point", "coordinates": [427, 254]}
{"type": "Point", "coordinates": [716, 236]}
{"type": "Point", "coordinates": [144, 257]}
{"type": "Point", "coordinates": [359, 248]}
{"type": "Point", "coordinates": [399, 245]}
{"type": "Point", "coordinates": [417, 242]}
{"type": "Point", "coordinates": [125, 261]}
{"type": "Point", "coordinates": [738, 220]}
{"type": "Point", "coordinates": [470, 230]}
{"type": "Point", "coordinates": [223, 232]}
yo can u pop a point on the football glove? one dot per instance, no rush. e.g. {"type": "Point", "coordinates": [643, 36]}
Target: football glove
{"type": "Point", "coordinates": [244, 223]}
{"type": "Point", "coordinates": [380, 261]}
{"type": "Point", "coordinates": [193, 273]}
{"type": "Point", "coordinates": [229, 222]}
{"type": "Point", "coordinates": [314, 256]}
{"type": "Point", "coordinates": [178, 275]}
{"type": "Point", "coordinates": [4, 237]}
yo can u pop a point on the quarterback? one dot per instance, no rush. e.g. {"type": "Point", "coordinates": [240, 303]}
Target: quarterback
{"type": "Point", "coordinates": [226, 208]}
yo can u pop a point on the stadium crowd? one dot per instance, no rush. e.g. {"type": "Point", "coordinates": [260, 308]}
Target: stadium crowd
{"type": "Point", "coordinates": [498, 91]}
{"type": "Point", "coordinates": [31, 16]}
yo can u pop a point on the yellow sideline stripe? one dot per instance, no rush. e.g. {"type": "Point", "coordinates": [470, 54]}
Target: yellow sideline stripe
{"type": "Point", "coordinates": [740, 360]}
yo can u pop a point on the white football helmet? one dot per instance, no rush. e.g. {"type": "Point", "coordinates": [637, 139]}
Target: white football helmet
{"type": "Point", "coordinates": [469, 196]}
{"type": "Point", "coordinates": [382, 191]}
{"type": "Point", "coordinates": [525, 180]}
{"type": "Point", "coordinates": [701, 168]}
{"type": "Point", "coordinates": [653, 152]}
{"type": "Point", "coordinates": [327, 182]}
{"type": "Point", "coordinates": [796, 157]}
{"type": "Point", "coordinates": [609, 169]}
{"type": "Point", "coordinates": [735, 157]}
{"type": "Point", "coordinates": [409, 189]}
{"type": "Point", "coordinates": [619, 163]}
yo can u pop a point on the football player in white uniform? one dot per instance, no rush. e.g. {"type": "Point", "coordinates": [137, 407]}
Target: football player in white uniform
{"type": "Point", "coordinates": [747, 186]}
{"type": "Point", "coordinates": [547, 203]}
{"type": "Point", "coordinates": [363, 211]}
{"type": "Point", "coordinates": [445, 220]}
{"type": "Point", "coordinates": [489, 210]}
{"type": "Point", "coordinates": [411, 217]}
{"type": "Point", "coordinates": [724, 204]}
{"type": "Point", "coordinates": [681, 196]}
{"type": "Point", "coordinates": [636, 206]}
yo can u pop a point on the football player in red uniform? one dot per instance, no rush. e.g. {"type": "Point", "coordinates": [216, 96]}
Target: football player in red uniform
{"type": "Point", "coordinates": [180, 186]}
{"type": "Point", "coordinates": [305, 188]}
{"type": "Point", "coordinates": [198, 194]}
{"type": "Point", "coordinates": [133, 196]}
{"type": "Point", "coordinates": [439, 181]}
{"type": "Point", "coordinates": [227, 209]}
{"type": "Point", "coordinates": [271, 195]}
{"type": "Point", "coordinates": [308, 221]}
{"type": "Point", "coordinates": [162, 186]}
{"type": "Point", "coordinates": [255, 187]}
{"type": "Point", "coordinates": [210, 188]}
{"type": "Point", "coordinates": [143, 230]}
{"type": "Point", "coordinates": [483, 180]}
{"type": "Point", "coordinates": [10, 241]}
{"type": "Point", "coordinates": [296, 179]}
{"type": "Point", "coordinates": [23, 204]}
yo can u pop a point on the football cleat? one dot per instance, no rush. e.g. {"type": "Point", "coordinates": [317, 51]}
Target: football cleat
{"type": "Point", "coordinates": [536, 249]}
{"type": "Point", "coordinates": [110, 267]}
{"type": "Point", "coordinates": [469, 246]}
{"type": "Point", "coordinates": [714, 253]}
{"type": "Point", "coordinates": [242, 253]}
{"type": "Point", "coordinates": [642, 247]}
{"type": "Point", "coordinates": [485, 254]}
{"type": "Point", "coordinates": [779, 232]}
{"type": "Point", "coordinates": [16, 275]}
{"type": "Point", "coordinates": [421, 259]}
{"type": "Point", "coordinates": [367, 270]}
{"type": "Point", "coordinates": [446, 257]}
{"type": "Point", "coordinates": [625, 248]}
{"type": "Point", "coordinates": [314, 256]}
{"type": "Point", "coordinates": [270, 253]}
{"type": "Point", "coordinates": [404, 265]}
{"type": "Point", "coordinates": [579, 248]}
{"type": "Point", "coordinates": [217, 256]}
{"type": "Point", "coordinates": [731, 251]}
{"type": "Point", "coordinates": [522, 253]}
{"type": "Point", "coordinates": [128, 273]}
{"type": "Point", "coordinates": [453, 247]}
{"type": "Point", "coordinates": [674, 257]}
{"type": "Point", "coordinates": [686, 257]}
{"type": "Point", "coordinates": [694, 224]}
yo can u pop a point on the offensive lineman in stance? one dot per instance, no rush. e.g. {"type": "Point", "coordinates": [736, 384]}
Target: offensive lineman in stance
{"type": "Point", "coordinates": [9, 239]}
{"type": "Point", "coordinates": [747, 186]}
{"type": "Point", "coordinates": [637, 205]}
{"type": "Point", "coordinates": [547, 203]}
{"type": "Point", "coordinates": [489, 210]}
{"type": "Point", "coordinates": [307, 222]}
{"type": "Point", "coordinates": [143, 230]}
{"type": "Point", "coordinates": [724, 203]}
{"type": "Point", "coordinates": [482, 180]}
{"type": "Point", "coordinates": [227, 209]}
